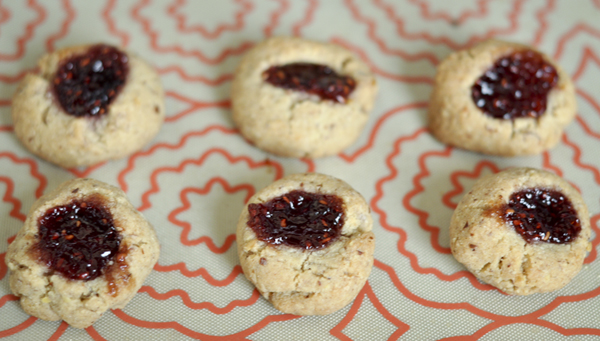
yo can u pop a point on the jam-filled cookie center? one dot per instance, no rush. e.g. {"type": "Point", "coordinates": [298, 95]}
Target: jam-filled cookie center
{"type": "Point", "coordinates": [517, 85]}
{"type": "Point", "coordinates": [299, 219]}
{"type": "Point", "coordinates": [86, 84]}
{"type": "Point", "coordinates": [78, 239]}
{"type": "Point", "coordinates": [542, 215]}
{"type": "Point", "coordinates": [314, 79]}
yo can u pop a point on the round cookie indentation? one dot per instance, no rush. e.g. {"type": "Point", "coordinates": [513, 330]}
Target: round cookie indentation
{"type": "Point", "coordinates": [86, 84]}
{"type": "Point", "coordinates": [517, 85]}
{"type": "Point", "coordinates": [78, 239]}
{"type": "Point", "coordinates": [542, 215]}
{"type": "Point", "coordinates": [311, 78]}
{"type": "Point", "coordinates": [298, 219]}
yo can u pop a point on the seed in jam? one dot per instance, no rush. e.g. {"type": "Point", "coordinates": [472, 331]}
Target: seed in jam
{"type": "Point", "coordinates": [542, 215]}
{"type": "Point", "coordinates": [517, 85]}
{"type": "Point", "coordinates": [86, 84]}
{"type": "Point", "coordinates": [78, 239]}
{"type": "Point", "coordinates": [314, 79]}
{"type": "Point", "coordinates": [299, 219]}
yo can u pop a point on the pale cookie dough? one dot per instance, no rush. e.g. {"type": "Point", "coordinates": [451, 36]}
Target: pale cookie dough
{"type": "Point", "coordinates": [48, 294]}
{"type": "Point", "coordinates": [496, 254]}
{"type": "Point", "coordinates": [454, 118]}
{"type": "Point", "coordinates": [317, 281]}
{"type": "Point", "coordinates": [133, 118]}
{"type": "Point", "coordinates": [293, 123]}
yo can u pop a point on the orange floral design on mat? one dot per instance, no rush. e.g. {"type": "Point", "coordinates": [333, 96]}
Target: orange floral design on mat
{"type": "Point", "coordinates": [187, 301]}
{"type": "Point", "coordinates": [19, 328]}
{"type": "Point", "coordinates": [59, 331]}
{"type": "Point", "coordinates": [363, 55]}
{"type": "Point", "coordinates": [406, 203]}
{"type": "Point", "coordinates": [182, 268]}
{"type": "Point", "coordinates": [193, 334]}
{"type": "Point", "coordinates": [571, 34]}
{"type": "Point", "coordinates": [154, 38]}
{"type": "Point", "coordinates": [69, 13]}
{"type": "Point", "coordinates": [231, 159]}
{"type": "Point", "coordinates": [428, 14]}
{"type": "Point", "coordinates": [132, 159]}
{"type": "Point", "coordinates": [186, 227]}
{"type": "Point", "coordinates": [110, 23]}
{"type": "Point", "coordinates": [367, 291]}
{"type": "Point", "coordinates": [30, 29]}
{"type": "Point", "coordinates": [498, 321]}
{"type": "Point", "coordinates": [175, 11]}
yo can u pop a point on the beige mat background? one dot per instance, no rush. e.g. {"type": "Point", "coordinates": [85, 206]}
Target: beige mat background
{"type": "Point", "coordinates": [192, 180]}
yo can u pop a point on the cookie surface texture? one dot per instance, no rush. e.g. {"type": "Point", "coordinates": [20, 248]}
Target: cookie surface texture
{"type": "Point", "coordinates": [47, 293]}
{"type": "Point", "coordinates": [492, 249]}
{"type": "Point", "coordinates": [293, 123]}
{"type": "Point", "coordinates": [317, 281]}
{"type": "Point", "coordinates": [455, 119]}
{"type": "Point", "coordinates": [130, 121]}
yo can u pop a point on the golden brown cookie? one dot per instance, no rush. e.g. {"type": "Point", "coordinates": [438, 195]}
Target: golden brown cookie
{"type": "Point", "coordinates": [88, 104]}
{"type": "Point", "coordinates": [492, 99]}
{"type": "Point", "coordinates": [295, 123]}
{"type": "Point", "coordinates": [84, 249]}
{"type": "Point", "coordinates": [522, 230]}
{"type": "Point", "coordinates": [305, 242]}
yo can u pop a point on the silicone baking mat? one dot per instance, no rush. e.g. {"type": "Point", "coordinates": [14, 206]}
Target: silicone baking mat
{"type": "Point", "coordinates": [192, 180]}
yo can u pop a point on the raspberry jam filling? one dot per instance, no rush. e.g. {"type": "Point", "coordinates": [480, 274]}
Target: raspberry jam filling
{"type": "Point", "coordinates": [314, 79]}
{"type": "Point", "coordinates": [542, 215]}
{"type": "Point", "coordinates": [299, 219]}
{"type": "Point", "coordinates": [517, 85]}
{"type": "Point", "coordinates": [86, 84]}
{"type": "Point", "coordinates": [78, 239]}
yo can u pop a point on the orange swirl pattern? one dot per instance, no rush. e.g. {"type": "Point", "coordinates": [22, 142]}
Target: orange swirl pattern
{"type": "Point", "coordinates": [192, 181]}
